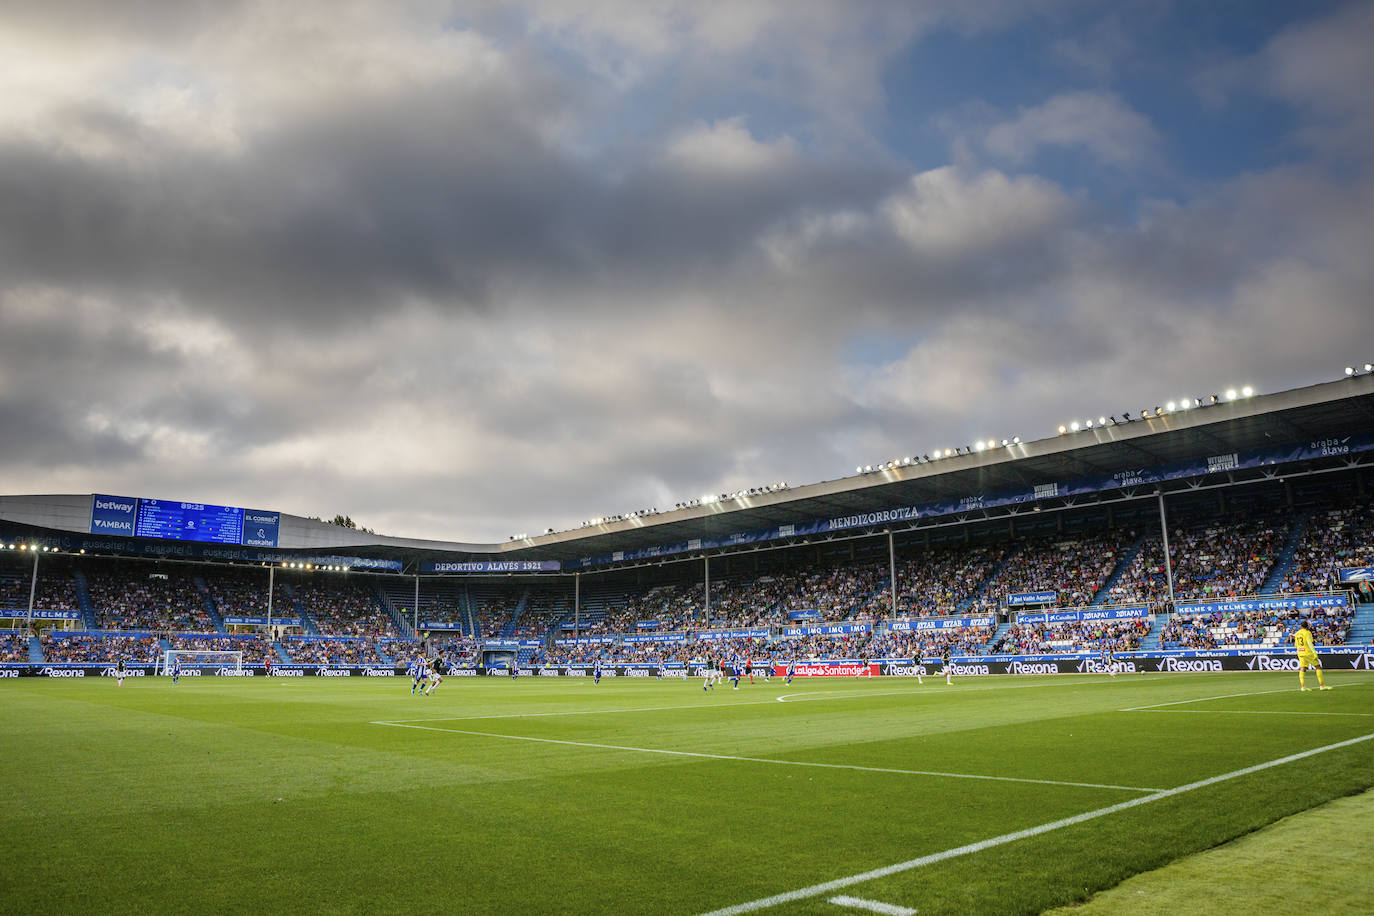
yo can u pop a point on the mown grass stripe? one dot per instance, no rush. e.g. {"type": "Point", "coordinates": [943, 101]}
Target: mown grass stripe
{"type": "Point", "coordinates": [817, 890]}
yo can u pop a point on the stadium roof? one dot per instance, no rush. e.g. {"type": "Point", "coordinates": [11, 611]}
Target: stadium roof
{"type": "Point", "coordinates": [1304, 416]}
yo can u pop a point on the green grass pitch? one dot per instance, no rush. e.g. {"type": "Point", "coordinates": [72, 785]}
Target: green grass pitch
{"type": "Point", "coordinates": [261, 796]}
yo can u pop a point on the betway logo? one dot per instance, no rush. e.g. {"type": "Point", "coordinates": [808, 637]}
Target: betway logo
{"type": "Point", "coordinates": [114, 505]}
{"type": "Point", "coordinates": [1269, 663]}
{"type": "Point", "coordinates": [1189, 664]}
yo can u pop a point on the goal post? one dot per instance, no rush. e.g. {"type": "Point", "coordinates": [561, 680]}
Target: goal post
{"type": "Point", "coordinates": [201, 658]}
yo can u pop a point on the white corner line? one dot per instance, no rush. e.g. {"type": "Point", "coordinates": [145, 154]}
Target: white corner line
{"type": "Point", "coordinates": [873, 906]}
{"type": "Point", "coordinates": [817, 890]}
{"type": "Point", "coordinates": [776, 762]}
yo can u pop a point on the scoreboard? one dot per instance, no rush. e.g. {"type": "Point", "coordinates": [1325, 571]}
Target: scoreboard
{"type": "Point", "coordinates": [158, 518]}
{"type": "Point", "coordinates": [181, 521]}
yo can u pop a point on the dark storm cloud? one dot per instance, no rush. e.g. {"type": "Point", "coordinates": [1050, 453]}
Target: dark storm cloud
{"type": "Point", "coordinates": [435, 195]}
{"type": "Point", "coordinates": [455, 285]}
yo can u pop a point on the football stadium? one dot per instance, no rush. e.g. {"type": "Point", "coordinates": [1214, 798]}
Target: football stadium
{"type": "Point", "coordinates": [684, 457]}
{"type": "Point", "coordinates": [1000, 678]}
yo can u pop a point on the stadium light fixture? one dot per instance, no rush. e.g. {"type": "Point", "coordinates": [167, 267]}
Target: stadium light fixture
{"type": "Point", "coordinates": [1369, 367]}
{"type": "Point", "coordinates": [1062, 429]}
{"type": "Point", "coordinates": [1016, 440]}
{"type": "Point", "coordinates": [1073, 426]}
{"type": "Point", "coordinates": [1101, 421]}
{"type": "Point", "coordinates": [1230, 394]}
{"type": "Point", "coordinates": [1171, 406]}
{"type": "Point", "coordinates": [1247, 391]}
{"type": "Point", "coordinates": [948, 452]}
{"type": "Point", "coordinates": [1349, 370]}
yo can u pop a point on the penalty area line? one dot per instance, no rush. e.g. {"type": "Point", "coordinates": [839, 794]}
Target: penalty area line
{"type": "Point", "coordinates": [817, 890]}
{"type": "Point", "coordinates": [775, 761]}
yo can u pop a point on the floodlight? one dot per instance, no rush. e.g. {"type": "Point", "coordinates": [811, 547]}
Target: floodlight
{"type": "Point", "coordinates": [1230, 394]}
{"type": "Point", "coordinates": [1074, 426]}
{"type": "Point", "coordinates": [1062, 429]}
{"type": "Point", "coordinates": [1171, 406]}
{"type": "Point", "coordinates": [1349, 370]}
{"type": "Point", "coordinates": [1247, 391]}
{"type": "Point", "coordinates": [1101, 421]}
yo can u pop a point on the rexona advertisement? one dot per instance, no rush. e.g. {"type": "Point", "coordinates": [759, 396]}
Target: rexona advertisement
{"type": "Point", "coordinates": [1358, 658]}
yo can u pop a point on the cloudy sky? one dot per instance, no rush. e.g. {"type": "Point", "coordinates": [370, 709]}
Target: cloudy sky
{"type": "Point", "coordinates": [471, 269]}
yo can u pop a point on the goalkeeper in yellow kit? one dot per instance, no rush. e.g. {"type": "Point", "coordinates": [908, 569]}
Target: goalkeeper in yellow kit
{"type": "Point", "coordinates": [1307, 657]}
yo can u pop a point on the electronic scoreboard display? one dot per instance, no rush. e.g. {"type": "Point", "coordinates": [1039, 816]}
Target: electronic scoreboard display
{"type": "Point", "coordinates": [159, 518]}
{"type": "Point", "coordinates": [183, 521]}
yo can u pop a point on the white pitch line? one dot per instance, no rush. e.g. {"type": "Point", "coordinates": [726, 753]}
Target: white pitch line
{"type": "Point", "coordinates": [791, 763]}
{"type": "Point", "coordinates": [817, 890]}
{"type": "Point", "coordinates": [1224, 696]}
{"type": "Point", "coordinates": [873, 906]}
{"type": "Point", "coordinates": [1265, 712]}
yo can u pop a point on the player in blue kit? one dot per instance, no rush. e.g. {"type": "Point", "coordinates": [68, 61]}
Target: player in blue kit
{"type": "Point", "coordinates": [596, 671]}
{"type": "Point", "coordinates": [791, 671]}
{"type": "Point", "coordinates": [419, 675]}
{"type": "Point", "coordinates": [176, 671]}
{"type": "Point", "coordinates": [736, 669]}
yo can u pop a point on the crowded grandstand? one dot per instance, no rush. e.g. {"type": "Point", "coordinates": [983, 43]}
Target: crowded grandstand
{"type": "Point", "coordinates": [1230, 554]}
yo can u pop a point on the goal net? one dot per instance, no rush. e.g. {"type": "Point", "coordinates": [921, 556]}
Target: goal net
{"type": "Point", "coordinates": [200, 658]}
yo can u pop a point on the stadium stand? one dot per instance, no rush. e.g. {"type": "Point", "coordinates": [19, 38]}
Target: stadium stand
{"type": "Point", "coordinates": [342, 608]}
{"type": "Point", "coordinates": [1335, 538]}
{"type": "Point", "coordinates": [140, 596]}
{"type": "Point", "coordinates": [255, 649]}
{"type": "Point", "coordinates": [1263, 629]}
{"type": "Point", "coordinates": [320, 650]}
{"type": "Point", "coordinates": [1072, 636]}
{"type": "Point", "coordinates": [1074, 568]}
{"type": "Point", "coordinates": [100, 647]}
{"type": "Point", "coordinates": [14, 647]}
